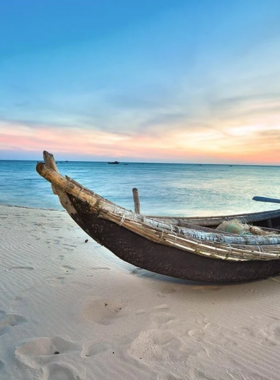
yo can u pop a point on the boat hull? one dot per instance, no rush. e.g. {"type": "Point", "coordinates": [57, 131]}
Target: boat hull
{"type": "Point", "coordinates": [162, 259]}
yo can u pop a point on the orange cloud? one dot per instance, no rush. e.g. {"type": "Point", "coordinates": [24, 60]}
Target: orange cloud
{"type": "Point", "coordinates": [234, 144]}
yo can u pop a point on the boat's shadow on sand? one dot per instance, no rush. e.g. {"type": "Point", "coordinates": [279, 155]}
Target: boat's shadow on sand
{"type": "Point", "coordinates": [144, 274]}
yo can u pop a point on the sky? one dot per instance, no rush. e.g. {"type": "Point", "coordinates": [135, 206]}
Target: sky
{"type": "Point", "coordinates": [189, 81]}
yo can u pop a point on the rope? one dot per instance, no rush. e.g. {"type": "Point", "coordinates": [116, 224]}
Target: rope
{"type": "Point", "coordinates": [161, 235]}
{"type": "Point", "coordinates": [122, 219]}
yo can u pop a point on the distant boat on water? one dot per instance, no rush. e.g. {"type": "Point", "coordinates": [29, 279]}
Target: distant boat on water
{"type": "Point", "coordinates": [113, 162]}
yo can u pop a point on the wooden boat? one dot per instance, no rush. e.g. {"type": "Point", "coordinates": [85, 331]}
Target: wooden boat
{"type": "Point", "coordinates": [187, 248]}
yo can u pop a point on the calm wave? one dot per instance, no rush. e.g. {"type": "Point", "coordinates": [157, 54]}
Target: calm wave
{"type": "Point", "coordinates": [164, 189]}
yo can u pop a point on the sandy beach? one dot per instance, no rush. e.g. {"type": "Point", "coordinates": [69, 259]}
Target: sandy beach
{"type": "Point", "coordinates": [71, 310]}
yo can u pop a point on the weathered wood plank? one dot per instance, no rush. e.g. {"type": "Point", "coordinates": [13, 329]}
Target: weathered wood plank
{"type": "Point", "coordinates": [136, 200]}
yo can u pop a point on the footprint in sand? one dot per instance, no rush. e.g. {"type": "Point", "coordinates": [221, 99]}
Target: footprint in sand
{"type": "Point", "coordinates": [37, 352]}
{"type": "Point", "coordinates": [9, 320]}
{"type": "Point", "coordinates": [102, 311]}
{"type": "Point", "coordinates": [196, 333]}
{"type": "Point", "coordinates": [158, 342]}
{"type": "Point", "coordinates": [165, 291]}
{"type": "Point", "coordinates": [55, 371]}
{"type": "Point", "coordinates": [161, 318]}
{"type": "Point", "coordinates": [270, 335]}
{"type": "Point", "coordinates": [151, 345]}
{"type": "Point", "coordinates": [92, 348]}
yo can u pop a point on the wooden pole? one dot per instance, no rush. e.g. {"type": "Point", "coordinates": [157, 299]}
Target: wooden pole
{"type": "Point", "coordinates": [136, 200]}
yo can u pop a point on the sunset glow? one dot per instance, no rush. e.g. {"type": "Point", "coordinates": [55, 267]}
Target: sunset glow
{"type": "Point", "coordinates": [161, 81]}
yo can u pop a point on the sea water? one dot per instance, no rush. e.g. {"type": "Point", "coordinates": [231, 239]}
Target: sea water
{"type": "Point", "coordinates": [164, 189]}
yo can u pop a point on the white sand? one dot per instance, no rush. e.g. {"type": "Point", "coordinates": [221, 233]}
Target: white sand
{"type": "Point", "coordinates": [72, 310]}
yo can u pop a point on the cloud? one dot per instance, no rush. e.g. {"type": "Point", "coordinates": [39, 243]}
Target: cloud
{"type": "Point", "coordinates": [242, 144]}
{"type": "Point", "coordinates": [190, 85]}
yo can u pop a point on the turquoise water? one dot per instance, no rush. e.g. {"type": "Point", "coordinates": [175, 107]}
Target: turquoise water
{"type": "Point", "coordinates": [164, 189]}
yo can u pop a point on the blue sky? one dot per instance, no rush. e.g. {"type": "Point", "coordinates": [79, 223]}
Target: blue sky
{"type": "Point", "coordinates": [175, 81]}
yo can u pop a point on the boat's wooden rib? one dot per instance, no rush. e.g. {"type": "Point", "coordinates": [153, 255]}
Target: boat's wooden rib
{"type": "Point", "coordinates": [170, 246]}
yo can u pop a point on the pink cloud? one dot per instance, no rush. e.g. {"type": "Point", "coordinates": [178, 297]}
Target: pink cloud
{"type": "Point", "coordinates": [247, 145]}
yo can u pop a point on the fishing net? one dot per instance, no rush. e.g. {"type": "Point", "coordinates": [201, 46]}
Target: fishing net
{"type": "Point", "coordinates": [234, 226]}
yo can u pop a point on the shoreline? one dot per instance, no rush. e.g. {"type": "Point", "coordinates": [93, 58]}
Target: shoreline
{"type": "Point", "coordinates": [31, 208]}
{"type": "Point", "coordinates": [70, 309]}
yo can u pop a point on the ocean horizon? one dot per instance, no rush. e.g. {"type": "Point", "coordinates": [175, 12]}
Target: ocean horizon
{"type": "Point", "coordinates": [139, 162]}
{"type": "Point", "coordinates": [164, 188]}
